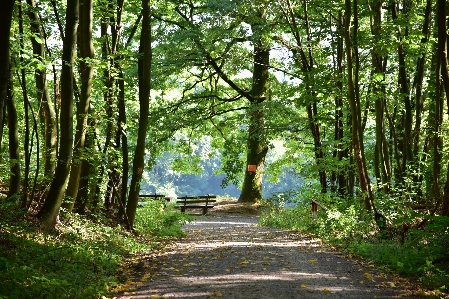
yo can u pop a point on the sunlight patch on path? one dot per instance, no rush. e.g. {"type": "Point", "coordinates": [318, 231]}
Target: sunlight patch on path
{"type": "Point", "coordinates": [233, 258]}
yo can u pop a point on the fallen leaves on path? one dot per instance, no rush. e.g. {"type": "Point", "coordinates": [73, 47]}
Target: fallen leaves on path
{"type": "Point", "coordinates": [216, 260]}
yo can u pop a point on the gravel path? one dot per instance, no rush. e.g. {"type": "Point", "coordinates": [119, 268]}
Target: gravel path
{"type": "Point", "coordinates": [227, 255]}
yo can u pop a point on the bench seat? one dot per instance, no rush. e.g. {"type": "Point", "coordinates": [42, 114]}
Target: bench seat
{"type": "Point", "coordinates": [196, 202]}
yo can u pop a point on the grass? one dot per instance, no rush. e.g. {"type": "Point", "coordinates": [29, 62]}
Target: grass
{"type": "Point", "coordinates": [423, 256]}
{"type": "Point", "coordinates": [413, 261]}
{"type": "Point", "coordinates": [80, 258]}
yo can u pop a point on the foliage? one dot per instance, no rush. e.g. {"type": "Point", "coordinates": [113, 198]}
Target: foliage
{"type": "Point", "coordinates": [423, 255]}
{"type": "Point", "coordinates": [154, 219]}
{"type": "Point", "coordinates": [78, 259]}
{"type": "Point", "coordinates": [332, 225]}
{"type": "Point", "coordinates": [410, 259]}
{"type": "Point", "coordinates": [202, 73]}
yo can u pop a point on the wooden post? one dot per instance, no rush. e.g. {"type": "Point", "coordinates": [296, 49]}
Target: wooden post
{"type": "Point", "coordinates": [314, 208]}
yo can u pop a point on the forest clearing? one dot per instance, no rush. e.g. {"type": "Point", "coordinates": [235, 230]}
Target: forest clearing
{"type": "Point", "coordinates": [329, 116]}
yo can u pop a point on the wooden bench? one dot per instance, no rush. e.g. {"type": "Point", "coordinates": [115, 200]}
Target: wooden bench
{"type": "Point", "coordinates": [196, 202]}
{"type": "Point", "coordinates": [156, 197]}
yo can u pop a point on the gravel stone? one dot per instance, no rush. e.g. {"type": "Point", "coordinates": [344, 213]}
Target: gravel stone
{"type": "Point", "coordinates": [230, 256]}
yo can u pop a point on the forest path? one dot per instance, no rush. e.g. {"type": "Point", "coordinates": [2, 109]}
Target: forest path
{"type": "Point", "coordinates": [227, 255]}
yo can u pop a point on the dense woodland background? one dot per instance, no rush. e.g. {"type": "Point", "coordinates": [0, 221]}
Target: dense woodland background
{"type": "Point", "coordinates": [344, 102]}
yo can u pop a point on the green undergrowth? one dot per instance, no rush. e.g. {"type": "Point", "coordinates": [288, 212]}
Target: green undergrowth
{"type": "Point", "coordinates": [80, 258]}
{"type": "Point", "coordinates": [421, 254]}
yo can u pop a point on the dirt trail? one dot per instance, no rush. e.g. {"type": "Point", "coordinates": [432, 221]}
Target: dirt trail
{"type": "Point", "coordinates": [229, 256]}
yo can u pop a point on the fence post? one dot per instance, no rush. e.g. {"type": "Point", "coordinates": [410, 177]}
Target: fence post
{"type": "Point", "coordinates": [314, 208]}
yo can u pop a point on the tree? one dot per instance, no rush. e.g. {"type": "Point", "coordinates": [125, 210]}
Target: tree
{"type": "Point", "coordinates": [382, 165]}
{"type": "Point", "coordinates": [248, 75]}
{"type": "Point", "coordinates": [82, 114]}
{"type": "Point", "coordinates": [14, 156]}
{"type": "Point", "coordinates": [144, 66]}
{"type": "Point", "coordinates": [49, 211]}
{"type": "Point", "coordinates": [5, 25]}
{"type": "Point", "coordinates": [303, 56]}
{"type": "Point", "coordinates": [354, 103]}
{"type": "Point", "coordinates": [216, 54]}
{"type": "Point", "coordinates": [442, 69]}
{"type": "Point", "coordinates": [48, 114]}
{"type": "Point", "coordinates": [257, 142]}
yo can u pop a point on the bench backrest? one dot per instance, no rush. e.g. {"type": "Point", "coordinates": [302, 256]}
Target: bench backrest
{"type": "Point", "coordinates": [197, 199]}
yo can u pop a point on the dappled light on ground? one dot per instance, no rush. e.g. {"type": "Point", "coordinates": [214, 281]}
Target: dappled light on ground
{"type": "Point", "coordinates": [231, 257]}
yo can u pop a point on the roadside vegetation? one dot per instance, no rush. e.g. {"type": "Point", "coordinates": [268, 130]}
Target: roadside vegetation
{"type": "Point", "coordinates": [413, 245]}
{"type": "Point", "coordinates": [82, 257]}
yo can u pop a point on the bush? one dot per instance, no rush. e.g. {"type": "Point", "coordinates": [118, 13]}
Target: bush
{"type": "Point", "coordinates": [80, 258]}
{"type": "Point", "coordinates": [423, 255]}
{"type": "Point", "coordinates": [154, 219]}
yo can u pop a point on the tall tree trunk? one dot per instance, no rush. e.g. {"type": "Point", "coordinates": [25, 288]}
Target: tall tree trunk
{"type": "Point", "coordinates": [439, 90]}
{"type": "Point", "coordinates": [419, 79]}
{"type": "Point", "coordinates": [418, 105]}
{"type": "Point", "coordinates": [26, 143]}
{"type": "Point", "coordinates": [108, 98]}
{"type": "Point", "coordinates": [257, 144]}
{"type": "Point", "coordinates": [111, 98]}
{"type": "Point", "coordinates": [5, 27]}
{"type": "Point", "coordinates": [405, 142]}
{"type": "Point", "coordinates": [13, 134]}
{"type": "Point", "coordinates": [87, 170]}
{"type": "Point", "coordinates": [357, 133]}
{"type": "Point", "coordinates": [257, 150]}
{"type": "Point", "coordinates": [312, 113]}
{"type": "Point", "coordinates": [122, 128]}
{"type": "Point", "coordinates": [49, 211]}
{"type": "Point", "coordinates": [383, 165]}
{"type": "Point", "coordinates": [48, 115]}
{"type": "Point", "coordinates": [312, 109]}
{"type": "Point", "coordinates": [82, 111]}
{"type": "Point", "coordinates": [144, 70]}
{"type": "Point", "coordinates": [442, 58]}
{"type": "Point", "coordinates": [305, 62]}
{"type": "Point", "coordinates": [341, 151]}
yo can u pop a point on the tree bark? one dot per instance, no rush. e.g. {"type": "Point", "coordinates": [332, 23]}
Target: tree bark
{"type": "Point", "coordinates": [48, 115]}
{"type": "Point", "coordinates": [405, 142]}
{"type": "Point", "coordinates": [341, 151]}
{"type": "Point", "coordinates": [357, 133]}
{"type": "Point", "coordinates": [144, 71]}
{"type": "Point", "coordinates": [441, 67]}
{"type": "Point", "coordinates": [13, 134]}
{"type": "Point", "coordinates": [107, 96]}
{"type": "Point", "coordinates": [122, 128]}
{"type": "Point", "coordinates": [257, 150]}
{"type": "Point", "coordinates": [87, 71]}
{"type": "Point", "coordinates": [430, 120]}
{"type": "Point", "coordinates": [87, 170]}
{"type": "Point", "coordinates": [5, 27]}
{"type": "Point", "coordinates": [383, 165]}
{"type": "Point", "coordinates": [26, 143]}
{"type": "Point", "coordinates": [49, 211]}
{"type": "Point", "coordinates": [419, 79]}
{"type": "Point", "coordinates": [257, 147]}
{"type": "Point", "coordinates": [438, 111]}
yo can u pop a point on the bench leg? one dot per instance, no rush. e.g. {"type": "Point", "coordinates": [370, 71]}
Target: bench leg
{"type": "Point", "coordinates": [183, 209]}
{"type": "Point", "coordinates": [204, 210]}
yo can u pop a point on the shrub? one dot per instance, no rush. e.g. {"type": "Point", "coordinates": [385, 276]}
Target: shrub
{"type": "Point", "coordinates": [154, 219]}
{"type": "Point", "coordinates": [80, 258]}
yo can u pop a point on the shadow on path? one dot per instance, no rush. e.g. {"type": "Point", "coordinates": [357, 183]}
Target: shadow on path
{"type": "Point", "coordinates": [230, 257]}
